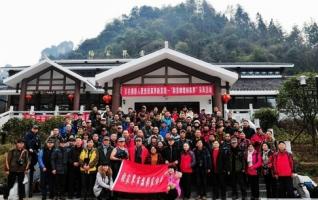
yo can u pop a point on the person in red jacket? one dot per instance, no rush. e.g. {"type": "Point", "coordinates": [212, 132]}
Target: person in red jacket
{"type": "Point", "coordinates": [258, 138]}
{"type": "Point", "coordinates": [138, 152]}
{"type": "Point", "coordinates": [187, 161]}
{"type": "Point", "coordinates": [254, 162]}
{"type": "Point", "coordinates": [283, 165]}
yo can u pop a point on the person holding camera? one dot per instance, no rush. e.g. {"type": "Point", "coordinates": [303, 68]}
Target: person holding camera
{"type": "Point", "coordinates": [16, 166]}
{"type": "Point", "coordinates": [33, 144]}
{"type": "Point", "coordinates": [118, 154]}
{"type": "Point", "coordinates": [88, 161]}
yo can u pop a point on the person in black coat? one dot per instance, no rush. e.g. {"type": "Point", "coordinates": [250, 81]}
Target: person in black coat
{"type": "Point", "coordinates": [74, 170]}
{"type": "Point", "coordinates": [104, 151]}
{"type": "Point", "coordinates": [202, 167]}
{"type": "Point", "coordinates": [33, 145]}
{"type": "Point", "coordinates": [59, 168]}
{"type": "Point", "coordinates": [235, 167]}
{"type": "Point", "coordinates": [249, 132]}
{"type": "Point", "coordinates": [171, 153]}
{"type": "Point", "coordinates": [46, 176]}
{"type": "Point", "coordinates": [218, 175]}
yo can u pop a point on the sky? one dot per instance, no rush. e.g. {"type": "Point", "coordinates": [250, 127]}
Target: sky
{"type": "Point", "coordinates": [27, 27]}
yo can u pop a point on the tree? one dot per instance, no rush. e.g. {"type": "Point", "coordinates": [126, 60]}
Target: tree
{"type": "Point", "coordinates": [300, 101]}
{"type": "Point", "coordinates": [267, 116]}
{"type": "Point", "coordinates": [311, 32]}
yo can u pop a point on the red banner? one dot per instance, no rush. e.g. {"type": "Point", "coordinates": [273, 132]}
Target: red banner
{"type": "Point", "coordinates": [167, 90]}
{"type": "Point", "coordinates": [138, 178]}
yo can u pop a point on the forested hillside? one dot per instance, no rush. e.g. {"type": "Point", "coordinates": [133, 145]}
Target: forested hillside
{"type": "Point", "coordinates": [199, 30]}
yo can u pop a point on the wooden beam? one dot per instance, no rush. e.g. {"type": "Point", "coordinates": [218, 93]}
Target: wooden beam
{"type": "Point", "coordinates": [168, 63]}
{"type": "Point", "coordinates": [168, 76]}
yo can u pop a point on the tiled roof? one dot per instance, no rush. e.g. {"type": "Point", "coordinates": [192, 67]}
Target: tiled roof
{"type": "Point", "coordinates": [257, 84]}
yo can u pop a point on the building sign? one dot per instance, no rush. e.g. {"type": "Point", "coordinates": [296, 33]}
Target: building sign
{"type": "Point", "coordinates": [167, 90]}
{"type": "Point", "coordinates": [138, 178]}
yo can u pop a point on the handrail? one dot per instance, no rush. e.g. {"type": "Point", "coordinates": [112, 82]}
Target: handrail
{"type": "Point", "coordinates": [5, 114]}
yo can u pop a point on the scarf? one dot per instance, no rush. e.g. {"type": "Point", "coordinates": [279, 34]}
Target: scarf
{"type": "Point", "coordinates": [250, 158]}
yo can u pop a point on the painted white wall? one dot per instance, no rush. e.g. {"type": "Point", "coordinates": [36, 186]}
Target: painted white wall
{"type": "Point", "coordinates": [204, 101]}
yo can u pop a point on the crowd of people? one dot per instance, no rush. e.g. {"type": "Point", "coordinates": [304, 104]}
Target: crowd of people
{"type": "Point", "coordinates": [81, 158]}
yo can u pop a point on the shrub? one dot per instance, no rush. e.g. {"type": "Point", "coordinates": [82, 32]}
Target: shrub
{"type": "Point", "coordinates": [268, 117]}
{"type": "Point", "coordinates": [16, 127]}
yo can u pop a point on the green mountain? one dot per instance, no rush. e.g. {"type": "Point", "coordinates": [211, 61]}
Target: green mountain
{"type": "Point", "coordinates": [199, 30]}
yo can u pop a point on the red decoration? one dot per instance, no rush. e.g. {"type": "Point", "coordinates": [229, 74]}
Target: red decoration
{"type": "Point", "coordinates": [28, 97]}
{"type": "Point", "coordinates": [226, 98]}
{"type": "Point", "coordinates": [168, 90]}
{"type": "Point", "coordinates": [70, 97]}
{"type": "Point", "coordinates": [107, 98]}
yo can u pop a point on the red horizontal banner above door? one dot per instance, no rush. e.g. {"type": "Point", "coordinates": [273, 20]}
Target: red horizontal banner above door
{"type": "Point", "coordinates": [167, 90]}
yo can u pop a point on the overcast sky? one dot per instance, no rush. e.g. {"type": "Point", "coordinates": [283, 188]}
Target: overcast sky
{"type": "Point", "coordinates": [29, 26]}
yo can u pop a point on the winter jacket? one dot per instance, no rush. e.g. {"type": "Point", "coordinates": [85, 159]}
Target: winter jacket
{"type": "Point", "coordinates": [233, 161]}
{"type": "Point", "coordinates": [102, 183]}
{"type": "Point", "coordinates": [249, 132]}
{"type": "Point", "coordinates": [59, 160]}
{"type": "Point", "coordinates": [219, 163]}
{"type": "Point", "coordinates": [44, 158]}
{"type": "Point", "coordinates": [256, 163]}
{"type": "Point", "coordinates": [89, 157]}
{"type": "Point", "coordinates": [75, 154]}
{"type": "Point", "coordinates": [102, 157]}
{"type": "Point", "coordinates": [283, 168]}
{"type": "Point", "coordinates": [187, 161]}
{"type": "Point", "coordinates": [132, 153]}
{"type": "Point", "coordinates": [203, 159]}
{"type": "Point", "coordinates": [12, 160]}
{"type": "Point", "coordinates": [171, 154]}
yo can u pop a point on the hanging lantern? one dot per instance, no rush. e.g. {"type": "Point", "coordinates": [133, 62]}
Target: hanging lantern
{"type": "Point", "coordinates": [28, 97]}
{"type": "Point", "coordinates": [226, 98]}
{"type": "Point", "coordinates": [70, 97]}
{"type": "Point", "coordinates": [107, 98]}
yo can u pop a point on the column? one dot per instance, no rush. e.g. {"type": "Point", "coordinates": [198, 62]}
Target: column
{"type": "Point", "coordinates": [77, 94]}
{"type": "Point", "coordinates": [22, 95]}
{"type": "Point", "coordinates": [115, 95]}
{"type": "Point", "coordinates": [218, 95]}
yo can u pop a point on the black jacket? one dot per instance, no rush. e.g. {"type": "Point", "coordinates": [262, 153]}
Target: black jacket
{"type": "Point", "coordinates": [249, 132]}
{"type": "Point", "coordinates": [171, 154]}
{"type": "Point", "coordinates": [234, 161]}
{"type": "Point", "coordinates": [59, 160]}
{"type": "Point", "coordinates": [102, 157]}
{"type": "Point", "coordinates": [203, 159]}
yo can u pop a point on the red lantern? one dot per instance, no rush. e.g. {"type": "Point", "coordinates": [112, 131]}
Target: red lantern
{"type": "Point", "coordinates": [107, 98]}
{"type": "Point", "coordinates": [28, 97]}
{"type": "Point", "coordinates": [226, 98]}
{"type": "Point", "coordinates": [70, 97]}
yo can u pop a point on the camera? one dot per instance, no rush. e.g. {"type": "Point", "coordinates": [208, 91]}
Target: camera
{"type": "Point", "coordinates": [20, 162]}
{"type": "Point", "coordinates": [122, 155]}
